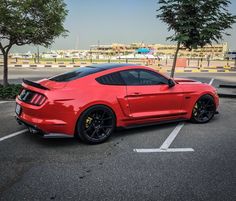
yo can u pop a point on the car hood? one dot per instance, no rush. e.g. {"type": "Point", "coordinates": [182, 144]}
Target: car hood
{"type": "Point", "coordinates": [186, 81]}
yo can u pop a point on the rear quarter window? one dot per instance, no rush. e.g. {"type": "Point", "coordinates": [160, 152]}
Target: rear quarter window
{"type": "Point", "coordinates": [76, 74]}
{"type": "Point", "coordinates": [111, 79]}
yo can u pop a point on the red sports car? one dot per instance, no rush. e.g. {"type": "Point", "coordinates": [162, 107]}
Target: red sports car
{"type": "Point", "coordinates": [90, 102]}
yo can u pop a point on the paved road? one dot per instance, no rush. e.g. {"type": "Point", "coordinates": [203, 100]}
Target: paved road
{"type": "Point", "coordinates": [17, 74]}
{"type": "Point", "coordinates": [32, 168]}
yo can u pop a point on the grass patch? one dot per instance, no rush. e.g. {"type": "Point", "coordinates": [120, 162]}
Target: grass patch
{"type": "Point", "coordinates": [9, 92]}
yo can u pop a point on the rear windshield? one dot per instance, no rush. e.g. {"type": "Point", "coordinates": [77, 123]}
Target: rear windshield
{"type": "Point", "coordinates": [73, 75]}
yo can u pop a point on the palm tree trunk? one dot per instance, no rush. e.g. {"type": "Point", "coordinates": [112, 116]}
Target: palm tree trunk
{"type": "Point", "coordinates": [175, 60]}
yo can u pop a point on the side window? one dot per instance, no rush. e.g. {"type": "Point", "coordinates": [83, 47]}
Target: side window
{"type": "Point", "coordinates": [142, 77]}
{"type": "Point", "coordinates": [130, 77]}
{"type": "Point", "coordinates": [111, 79]}
{"type": "Point", "coordinates": [151, 78]}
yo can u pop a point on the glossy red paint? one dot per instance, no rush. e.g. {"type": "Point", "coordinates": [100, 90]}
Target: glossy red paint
{"type": "Point", "coordinates": [132, 105]}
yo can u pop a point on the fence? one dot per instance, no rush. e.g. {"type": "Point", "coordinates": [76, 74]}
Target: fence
{"type": "Point", "coordinates": [162, 63]}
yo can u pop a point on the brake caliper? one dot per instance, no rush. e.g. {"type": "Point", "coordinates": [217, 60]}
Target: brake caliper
{"type": "Point", "coordinates": [88, 122]}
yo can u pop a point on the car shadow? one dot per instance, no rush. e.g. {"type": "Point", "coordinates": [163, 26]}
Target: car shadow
{"type": "Point", "coordinates": [52, 142]}
{"type": "Point", "coordinates": [122, 132]}
{"type": "Point", "coordinates": [119, 133]}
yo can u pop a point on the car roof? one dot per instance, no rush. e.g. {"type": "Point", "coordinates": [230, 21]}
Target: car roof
{"type": "Point", "coordinates": [85, 71]}
{"type": "Point", "coordinates": [108, 66]}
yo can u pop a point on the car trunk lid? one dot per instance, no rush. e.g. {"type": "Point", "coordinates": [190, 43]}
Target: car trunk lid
{"type": "Point", "coordinates": [36, 93]}
{"type": "Point", "coordinates": [51, 84]}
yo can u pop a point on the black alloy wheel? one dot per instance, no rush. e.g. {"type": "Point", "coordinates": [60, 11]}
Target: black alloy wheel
{"type": "Point", "coordinates": [96, 124]}
{"type": "Point", "coordinates": [204, 109]}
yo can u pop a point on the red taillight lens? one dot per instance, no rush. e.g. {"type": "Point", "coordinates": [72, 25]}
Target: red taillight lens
{"type": "Point", "coordinates": [38, 99]}
{"type": "Point", "coordinates": [32, 97]}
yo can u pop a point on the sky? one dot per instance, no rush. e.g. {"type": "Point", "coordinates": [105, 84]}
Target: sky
{"type": "Point", "coordinates": [90, 22]}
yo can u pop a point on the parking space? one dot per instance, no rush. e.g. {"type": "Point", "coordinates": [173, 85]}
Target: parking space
{"type": "Point", "coordinates": [8, 123]}
{"type": "Point", "coordinates": [66, 169]}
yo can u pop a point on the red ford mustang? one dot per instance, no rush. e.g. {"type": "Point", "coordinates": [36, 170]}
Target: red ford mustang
{"type": "Point", "coordinates": [90, 102]}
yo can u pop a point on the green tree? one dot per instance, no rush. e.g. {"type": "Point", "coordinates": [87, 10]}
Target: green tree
{"type": "Point", "coordinates": [195, 23]}
{"type": "Point", "coordinates": [36, 22]}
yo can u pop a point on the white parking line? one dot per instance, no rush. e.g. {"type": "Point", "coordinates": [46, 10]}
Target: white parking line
{"type": "Point", "coordinates": [211, 82]}
{"type": "Point", "coordinates": [1, 102]}
{"type": "Point", "coordinates": [163, 150]}
{"type": "Point", "coordinates": [13, 135]}
{"type": "Point", "coordinates": [166, 144]}
{"type": "Point", "coordinates": [172, 136]}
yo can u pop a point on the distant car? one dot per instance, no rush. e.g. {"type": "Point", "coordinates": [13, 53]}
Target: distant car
{"type": "Point", "coordinates": [90, 102]}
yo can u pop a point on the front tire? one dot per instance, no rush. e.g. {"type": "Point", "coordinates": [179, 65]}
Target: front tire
{"type": "Point", "coordinates": [96, 124]}
{"type": "Point", "coordinates": [204, 109]}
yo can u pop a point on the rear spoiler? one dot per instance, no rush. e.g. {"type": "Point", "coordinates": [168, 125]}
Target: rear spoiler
{"type": "Point", "coordinates": [35, 84]}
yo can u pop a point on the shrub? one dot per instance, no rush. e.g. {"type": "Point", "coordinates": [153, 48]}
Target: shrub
{"type": "Point", "coordinates": [9, 92]}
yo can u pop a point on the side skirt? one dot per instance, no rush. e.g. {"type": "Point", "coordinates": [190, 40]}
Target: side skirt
{"type": "Point", "coordinates": [152, 124]}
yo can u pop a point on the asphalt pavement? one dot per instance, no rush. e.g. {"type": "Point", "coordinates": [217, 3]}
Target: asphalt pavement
{"type": "Point", "coordinates": [33, 168]}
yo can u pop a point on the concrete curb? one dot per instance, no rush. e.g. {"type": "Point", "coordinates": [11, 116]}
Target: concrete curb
{"type": "Point", "coordinates": [227, 95]}
{"type": "Point", "coordinates": [44, 66]}
{"type": "Point", "coordinates": [197, 71]}
{"type": "Point", "coordinates": [231, 86]}
{"type": "Point", "coordinates": [161, 70]}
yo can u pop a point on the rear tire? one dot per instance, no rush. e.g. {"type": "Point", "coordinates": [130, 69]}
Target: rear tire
{"type": "Point", "coordinates": [204, 109]}
{"type": "Point", "coordinates": [96, 124]}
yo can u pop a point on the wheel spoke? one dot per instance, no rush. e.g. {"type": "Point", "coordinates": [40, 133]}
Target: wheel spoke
{"type": "Point", "coordinates": [208, 114]}
{"type": "Point", "coordinates": [200, 115]}
{"type": "Point", "coordinates": [212, 105]}
{"type": "Point", "coordinates": [206, 103]}
{"type": "Point", "coordinates": [106, 126]}
{"type": "Point", "coordinates": [104, 130]}
{"type": "Point", "coordinates": [103, 114]}
{"type": "Point", "coordinates": [107, 118]}
{"type": "Point", "coordinates": [89, 128]}
{"type": "Point", "coordinates": [94, 132]}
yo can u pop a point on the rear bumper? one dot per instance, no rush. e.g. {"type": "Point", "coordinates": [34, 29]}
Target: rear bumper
{"type": "Point", "coordinates": [52, 118]}
{"type": "Point", "coordinates": [33, 129]}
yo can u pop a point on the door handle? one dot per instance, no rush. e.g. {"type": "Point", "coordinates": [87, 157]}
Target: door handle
{"type": "Point", "coordinates": [137, 93]}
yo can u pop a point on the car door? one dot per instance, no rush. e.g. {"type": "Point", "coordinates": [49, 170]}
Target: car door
{"type": "Point", "coordinates": [150, 96]}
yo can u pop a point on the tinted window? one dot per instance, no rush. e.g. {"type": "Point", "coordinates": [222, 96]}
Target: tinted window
{"type": "Point", "coordinates": [81, 72]}
{"type": "Point", "coordinates": [142, 77]}
{"type": "Point", "coordinates": [111, 79]}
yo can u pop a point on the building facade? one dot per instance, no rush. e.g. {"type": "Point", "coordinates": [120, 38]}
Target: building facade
{"type": "Point", "coordinates": [215, 51]}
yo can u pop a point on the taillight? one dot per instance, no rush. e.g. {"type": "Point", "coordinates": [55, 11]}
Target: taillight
{"type": "Point", "coordinates": [32, 97]}
{"type": "Point", "coordinates": [38, 99]}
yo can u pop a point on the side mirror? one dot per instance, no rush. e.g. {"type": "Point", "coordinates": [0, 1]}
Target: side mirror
{"type": "Point", "coordinates": [171, 83]}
